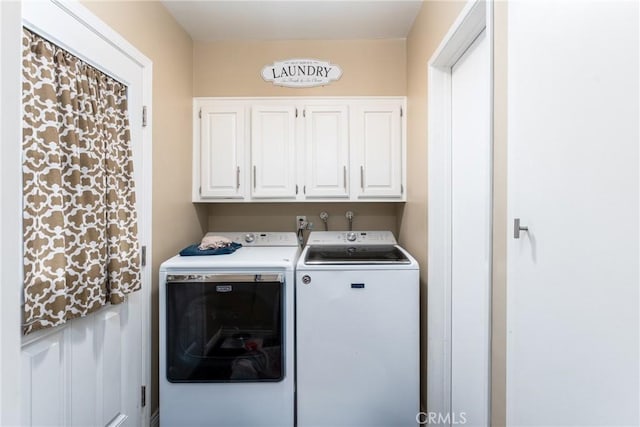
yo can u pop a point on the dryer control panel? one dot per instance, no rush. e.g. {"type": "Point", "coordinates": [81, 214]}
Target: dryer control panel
{"type": "Point", "coordinates": [257, 238]}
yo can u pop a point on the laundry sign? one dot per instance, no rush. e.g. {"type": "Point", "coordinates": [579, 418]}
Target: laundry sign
{"type": "Point", "coordinates": [301, 73]}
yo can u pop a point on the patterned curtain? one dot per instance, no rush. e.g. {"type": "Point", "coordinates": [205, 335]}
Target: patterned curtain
{"type": "Point", "coordinates": [80, 224]}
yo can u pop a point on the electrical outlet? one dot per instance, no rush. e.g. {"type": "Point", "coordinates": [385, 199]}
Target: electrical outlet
{"type": "Point", "coordinates": [301, 219]}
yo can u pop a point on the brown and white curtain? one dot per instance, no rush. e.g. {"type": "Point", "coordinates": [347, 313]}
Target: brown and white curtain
{"type": "Point", "coordinates": [80, 225]}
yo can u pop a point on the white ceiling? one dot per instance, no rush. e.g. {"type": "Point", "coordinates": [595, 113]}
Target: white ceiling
{"type": "Point", "coordinates": [295, 19]}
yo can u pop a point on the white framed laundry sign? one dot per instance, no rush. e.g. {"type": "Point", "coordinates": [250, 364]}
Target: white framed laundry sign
{"type": "Point", "coordinates": [301, 73]}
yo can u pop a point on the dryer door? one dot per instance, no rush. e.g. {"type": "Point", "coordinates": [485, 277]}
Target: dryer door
{"type": "Point", "coordinates": [225, 328]}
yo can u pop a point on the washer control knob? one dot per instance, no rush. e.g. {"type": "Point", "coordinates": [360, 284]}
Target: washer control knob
{"type": "Point", "coordinates": [249, 238]}
{"type": "Point", "coordinates": [306, 279]}
{"type": "Point", "coordinates": [351, 236]}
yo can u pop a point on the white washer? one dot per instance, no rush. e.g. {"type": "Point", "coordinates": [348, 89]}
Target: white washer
{"type": "Point", "coordinates": [227, 335]}
{"type": "Point", "coordinates": [357, 331]}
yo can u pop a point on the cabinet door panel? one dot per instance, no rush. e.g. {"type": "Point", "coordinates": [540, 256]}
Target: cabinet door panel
{"type": "Point", "coordinates": [380, 136]}
{"type": "Point", "coordinates": [222, 139]}
{"type": "Point", "coordinates": [327, 151]}
{"type": "Point", "coordinates": [273, 152]}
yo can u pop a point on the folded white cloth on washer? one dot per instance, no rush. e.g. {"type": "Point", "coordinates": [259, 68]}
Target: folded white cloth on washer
{"type": "Point", "coordinates": [214, 242]}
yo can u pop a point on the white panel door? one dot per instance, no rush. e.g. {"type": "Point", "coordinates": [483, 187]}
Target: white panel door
{"type": "Point", "coordinates": [222, 151]}
{"type": "Point", "coordinates": [573, 279]}
{"type": "Point", "coordinates": [471, 233]}
{"type": "Point", "coordinates": [326, 146]}
{"type": "Point", "coordinates": [273, 137]}
{"type": "Point", "coordinates": [44, 386]}
{"type": "Point", "coordinates": [77, 376]}
{"type": "Point", "coordinates": [102, 362]}
{"type": "Point", "coordinates": [378, 130]}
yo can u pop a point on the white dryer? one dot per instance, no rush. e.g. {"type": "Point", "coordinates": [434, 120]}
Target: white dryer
{"type": "Point", "coordinates": [357, 331]}
{"type": "Point", "coordinates": [227, 335]}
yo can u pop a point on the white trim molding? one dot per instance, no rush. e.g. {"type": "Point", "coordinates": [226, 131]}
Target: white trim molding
{"type": "Point", "coordinates": [476, 17]}
{"type": "Point", "coordinates": [10, 211]}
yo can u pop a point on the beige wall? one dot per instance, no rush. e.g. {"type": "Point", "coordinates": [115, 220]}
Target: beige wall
{"type": "Point", "coordinates": [429, 28]}
{"type": "Point", "coordinates": [369, 67]}
{"type": "Point", "coordinates": [150, 28]}
{"type": "Point", "coordinates": [279, 217]}
{"type": "Point", "coordinates": [435, 19]}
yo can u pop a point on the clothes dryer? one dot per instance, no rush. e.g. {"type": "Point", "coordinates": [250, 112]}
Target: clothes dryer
{"type": "Point", "coordinates": [227, 335]}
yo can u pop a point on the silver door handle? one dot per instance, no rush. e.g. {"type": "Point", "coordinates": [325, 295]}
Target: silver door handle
{"type": "Point", "coordinates": [362, 177]}
{"type": "Point", "coordinates": [237, 177]}
{"type": "Point", "coordinates": [344, 177]}
{"type": "Point", "coordinates": [517, 228]}
{"type": "Point", "coordinates": [254, 177]}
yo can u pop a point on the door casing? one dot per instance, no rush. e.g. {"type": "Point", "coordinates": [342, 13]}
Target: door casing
{"type": "Point", "coordinates": [10, 211]}
{"type": "Point", "coordinates": [476, 17]}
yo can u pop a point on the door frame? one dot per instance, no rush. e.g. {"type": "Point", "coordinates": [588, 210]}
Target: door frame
{"type": "Point", "coordinates": [10, 211]}
{"type": "Point", "coordinates": [476, 17]}
{"type": "Point", "coordinates": [11, 182]}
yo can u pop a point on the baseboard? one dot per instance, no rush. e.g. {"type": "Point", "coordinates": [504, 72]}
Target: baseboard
{"type": "Point", "coordinates": [155, 419]}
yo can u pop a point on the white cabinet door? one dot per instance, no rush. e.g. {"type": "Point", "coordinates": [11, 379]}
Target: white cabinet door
{"type": "Point", "coordinates": [326, 141]}
{"type": "Point", "coordinates": [378, 132]}
{"type": "Point", "coordinates": [273, 141]}
{"type": "Point", "coordinates": [221, 151]}
{"type": "Point", "coordinates": [298, 149]}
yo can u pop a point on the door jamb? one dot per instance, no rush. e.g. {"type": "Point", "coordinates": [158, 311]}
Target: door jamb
{"type": "Point", "coordinates": [477, 16]}
{"type": "Point", "coordinates": [10, 212]}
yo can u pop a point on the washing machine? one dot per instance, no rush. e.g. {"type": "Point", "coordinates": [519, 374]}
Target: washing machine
{"type": "Point", "coordinates": [227, 334]}
{"type": "Point", "coordinates": [357, 331]}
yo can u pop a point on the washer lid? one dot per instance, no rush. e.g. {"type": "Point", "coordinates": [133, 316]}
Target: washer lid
{"type": "Point", "coordinates": [358, 254]}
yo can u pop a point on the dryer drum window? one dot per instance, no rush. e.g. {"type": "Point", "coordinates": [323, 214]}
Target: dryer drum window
{"type": "Point", "coordinates": [225, 331]}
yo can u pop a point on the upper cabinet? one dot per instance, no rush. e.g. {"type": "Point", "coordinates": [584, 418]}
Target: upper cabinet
{"type": "Point", "coordinates": [273, 151]}
{"type": "Point", "coordinates": [299, 149]}
{"type": "Point", "coordinates": [378, 128]}
{"type": "Point", "coordinates": [326, 145]}
{"type": "Point", "coordinates": [222, 136]}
